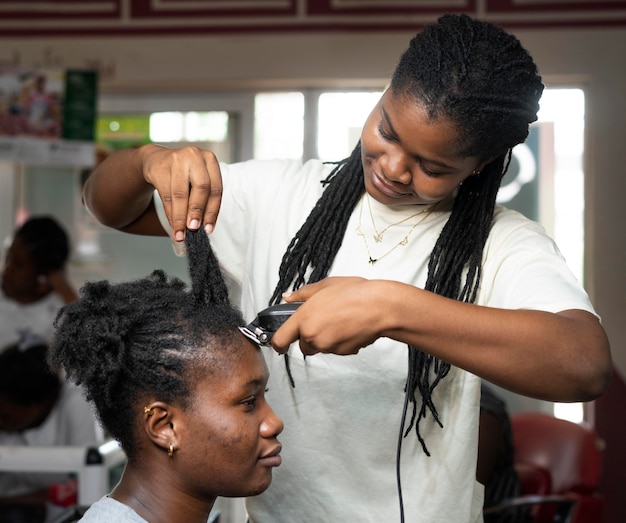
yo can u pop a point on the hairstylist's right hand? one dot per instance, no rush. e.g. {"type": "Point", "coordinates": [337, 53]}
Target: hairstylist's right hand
{"type": "Point", "coordinates": [337, 317]}
{"type": "Point", "coordinates": [189, 182]}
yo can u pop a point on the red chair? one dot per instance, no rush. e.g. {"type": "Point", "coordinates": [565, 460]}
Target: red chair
{"type": "Point", "coordinates": [558, 457]}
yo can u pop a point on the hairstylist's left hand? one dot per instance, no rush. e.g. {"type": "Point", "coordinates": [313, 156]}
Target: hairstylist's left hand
{"type": "Point", "coordinates": [339, 316]}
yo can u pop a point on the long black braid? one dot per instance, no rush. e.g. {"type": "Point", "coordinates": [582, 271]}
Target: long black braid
{"type": "Point", "coordinates": [479, 78]}
{"type": "Point", "coordinates": [147, 338]}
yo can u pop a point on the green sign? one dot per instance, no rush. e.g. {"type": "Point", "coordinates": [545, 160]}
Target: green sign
{"type": "Point", "coordinates": [79, 105]}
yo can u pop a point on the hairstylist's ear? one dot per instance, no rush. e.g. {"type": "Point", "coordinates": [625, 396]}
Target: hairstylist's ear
{"type": "Point", "coordinates": [481, 166]}
{"type": "Point", "coordinates": [159, 422]}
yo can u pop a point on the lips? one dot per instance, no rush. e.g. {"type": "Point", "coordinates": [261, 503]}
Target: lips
{"type": "Point", "coordinates": [386, 189]}
{"type": "Point", "coordinates": [272, 459]}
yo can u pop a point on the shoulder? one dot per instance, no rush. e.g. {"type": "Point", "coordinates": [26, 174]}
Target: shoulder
{"type": "Point", "coordinates": [506, 220]}
{"type": "Point", "coordinates": [263, 188]}
{"type": "Point", "coordinates": [108, 509]}
{"type": "Point", "coordinates": [262, 172]}
{"type": "Point", "coordinates": [513, 229]}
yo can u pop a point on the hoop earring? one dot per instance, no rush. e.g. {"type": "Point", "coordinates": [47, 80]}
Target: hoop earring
{"type": "Point", "coordinates": [170, 450]}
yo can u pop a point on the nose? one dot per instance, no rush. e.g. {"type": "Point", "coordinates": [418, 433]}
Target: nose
{"type": "Point", "coordinates": [396, 168]}
{"type": "Point", "coordinates": [272, 425]}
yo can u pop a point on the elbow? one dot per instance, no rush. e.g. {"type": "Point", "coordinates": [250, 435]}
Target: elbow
{"type": "Point", "coordinates": [590, 365]}
{"type": "Point", "coordinates": [598, 375]}
{"type": "Point", "coordinates": [598, 381]}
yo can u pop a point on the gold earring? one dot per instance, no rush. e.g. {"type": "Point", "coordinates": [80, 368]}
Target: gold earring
{"type": "Point", "coordinates": [148, 411]}
{"type": "Point", "coordinates": [170, 450]}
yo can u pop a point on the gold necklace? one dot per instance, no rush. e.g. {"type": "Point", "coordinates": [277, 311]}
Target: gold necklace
{"type": "Point", "coordinates": [378, 235]}
{"type": "Point", "coordinates": [403, 241]}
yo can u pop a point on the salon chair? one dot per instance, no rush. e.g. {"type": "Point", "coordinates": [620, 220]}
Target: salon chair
{"type": "Point", "coordinates": [558, 464]}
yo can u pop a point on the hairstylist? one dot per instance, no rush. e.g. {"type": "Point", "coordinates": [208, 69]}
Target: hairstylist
{"type": "Point", "coordinates": [417, 270]}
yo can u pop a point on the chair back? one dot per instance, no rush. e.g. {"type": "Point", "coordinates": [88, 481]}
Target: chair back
{"type": "Point", "coordinates": [571, 452]}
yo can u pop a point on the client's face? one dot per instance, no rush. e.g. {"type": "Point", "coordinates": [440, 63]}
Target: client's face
{"type": "Point", "coordinates": [234, 444]}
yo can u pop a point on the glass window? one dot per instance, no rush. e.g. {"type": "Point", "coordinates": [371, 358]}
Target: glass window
{"type": "Point", "coordinates": [193, 126]}
{"type": "Point", "coordinates": [565, 108]}
{"type": "Point", "coordinates": [278, 125]}
{"type": "Point", "coordinates": [341, 117]}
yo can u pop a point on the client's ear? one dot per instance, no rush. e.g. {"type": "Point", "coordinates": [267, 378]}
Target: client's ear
{"type": "Point", "coordinates": [159, 422]}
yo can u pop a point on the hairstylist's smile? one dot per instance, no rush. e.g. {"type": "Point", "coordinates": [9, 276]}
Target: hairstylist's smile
{"type": "Point", "coordinates": [380, 183]}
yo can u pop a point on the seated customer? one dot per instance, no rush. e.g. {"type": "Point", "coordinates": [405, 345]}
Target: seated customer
{"type": "Point", "coordinates": [495, 458]}
{"type": "Point", "coordinates": [177, 383]}
{"type": "Point", "coordinates": [34, 283]}
{"type": "Point", "coordinates": [37, 408]}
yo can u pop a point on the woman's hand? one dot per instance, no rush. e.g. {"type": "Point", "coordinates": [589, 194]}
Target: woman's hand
{"type": "Point", "coordinates": [341, 315]}
{"type": "Point", "coordinates": [119, 192]}
{"type": "Point", "coordinates": [189, 182]}
{"type": "Point", "coordinates": [59, 283]}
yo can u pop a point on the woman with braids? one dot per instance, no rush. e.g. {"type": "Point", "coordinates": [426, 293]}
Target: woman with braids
{"type": "Point", "coordinates": [399, 254]}
{"type": "Point", "coordinates": [178, 385]}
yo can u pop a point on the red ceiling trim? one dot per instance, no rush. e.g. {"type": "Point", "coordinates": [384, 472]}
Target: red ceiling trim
{"type": "Point", "coordinates": [115, 18]}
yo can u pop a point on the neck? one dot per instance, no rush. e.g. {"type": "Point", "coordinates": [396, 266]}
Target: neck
{"type": "Point", "coordinates": [26, 297]}
{"type": "Point", "coordinates": [157, 500]}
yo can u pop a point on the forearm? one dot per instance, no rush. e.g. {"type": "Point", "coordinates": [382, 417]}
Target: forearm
{"type": "Point", "coordinates": [116, 193]}
{"type": "Point", "coordinates": [556, 357]}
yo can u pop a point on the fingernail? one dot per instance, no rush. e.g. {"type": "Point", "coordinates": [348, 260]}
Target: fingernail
{"type": "Point", "coordinates": [286, 294]}
{"type": "Point", "coordinates": [179, 236]}
{"type": "Point", "coordinates": [208, 228]}
{"type": "Point", "coordinates": [194, 224]}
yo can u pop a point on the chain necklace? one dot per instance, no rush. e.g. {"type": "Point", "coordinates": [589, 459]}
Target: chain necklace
{"type": "Point", "coordinates": [378, 236]}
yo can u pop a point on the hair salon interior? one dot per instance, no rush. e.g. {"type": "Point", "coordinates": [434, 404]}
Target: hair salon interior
{"type": "Point", "coordinates": [296, 78]}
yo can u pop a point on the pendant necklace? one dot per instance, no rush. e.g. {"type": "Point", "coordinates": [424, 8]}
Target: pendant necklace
{"type": "Point", "coordinates": [378, 235]}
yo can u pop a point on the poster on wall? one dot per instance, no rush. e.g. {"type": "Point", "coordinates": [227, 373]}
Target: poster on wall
{"type": "Point", "coordinates": [47, 116]}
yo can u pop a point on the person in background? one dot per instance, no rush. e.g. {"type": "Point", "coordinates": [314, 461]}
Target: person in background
{"type": "Point", "coordinates": [34, 280]}
{"type": "Point", "coordinates": [176, 382]}
{"type": "Point", "coordinates": [38, 408]}
{"type": "Point", "coordinates": [404, 262]}
{"type": "Point", "coordinates": [496, 458]}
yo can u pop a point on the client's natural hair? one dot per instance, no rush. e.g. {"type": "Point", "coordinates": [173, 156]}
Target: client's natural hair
{"type": "Point", "coordinates": [146, 338]}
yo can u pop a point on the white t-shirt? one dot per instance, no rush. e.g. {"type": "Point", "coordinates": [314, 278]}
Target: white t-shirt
{"type": "Point", "coordinates": [37, 317]}
{"type": "Point", "coordinates": [107, 510]}
{"type": "Point", "coordinates": [343, 417]}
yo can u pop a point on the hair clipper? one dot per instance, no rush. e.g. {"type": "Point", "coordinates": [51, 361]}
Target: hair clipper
{"type": "Point", "coordinates": [267, 322]}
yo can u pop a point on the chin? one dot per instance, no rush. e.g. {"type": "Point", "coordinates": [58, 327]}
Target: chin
{"type": "Point", "coordinates": [261, 486]}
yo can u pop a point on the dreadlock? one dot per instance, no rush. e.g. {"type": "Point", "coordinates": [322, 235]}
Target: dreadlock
{"type": "Point", "coordinates": [479, 78]}
{"type": "Point", "coordinates": [146, 338]}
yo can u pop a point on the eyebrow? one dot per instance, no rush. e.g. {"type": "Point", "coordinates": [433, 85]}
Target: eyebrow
{"type": "Point", "coordinates": [421, 158]}
{"type": "Point", "coordinates": [256, 382]}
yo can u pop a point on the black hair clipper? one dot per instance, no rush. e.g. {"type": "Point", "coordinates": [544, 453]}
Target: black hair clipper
{"type": "Point", "coordinates": [267, 322]}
